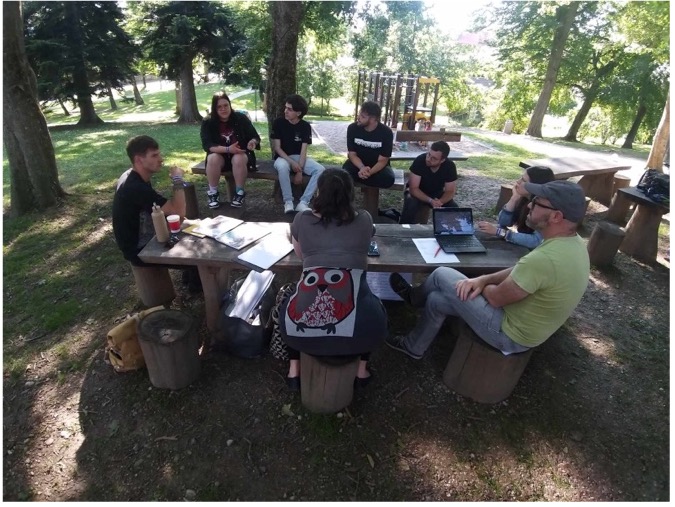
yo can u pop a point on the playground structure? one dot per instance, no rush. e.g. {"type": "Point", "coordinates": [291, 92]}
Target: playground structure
{"type": "Point", "coordinates": [400, 97]}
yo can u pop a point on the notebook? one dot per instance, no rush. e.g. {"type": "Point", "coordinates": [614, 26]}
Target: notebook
{"type": "Point", "coordinates": [453, 229]}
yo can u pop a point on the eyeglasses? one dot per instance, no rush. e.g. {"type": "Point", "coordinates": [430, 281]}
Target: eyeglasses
{"type": "Point", "coordinates": [537, 203]}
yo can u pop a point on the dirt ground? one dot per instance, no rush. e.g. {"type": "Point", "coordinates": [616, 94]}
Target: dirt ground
{"type": "Point", "coordinates": [589, 419]}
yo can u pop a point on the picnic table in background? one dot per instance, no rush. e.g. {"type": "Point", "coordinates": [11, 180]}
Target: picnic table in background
{"type": "Point", "coordinates": [597, 173]}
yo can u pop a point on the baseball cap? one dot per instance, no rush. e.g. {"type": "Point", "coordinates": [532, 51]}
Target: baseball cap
{"type": "Point", "coordinates": [565, 196]}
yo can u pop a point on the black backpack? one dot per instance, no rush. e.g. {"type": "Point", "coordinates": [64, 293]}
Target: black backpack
{"type": "Point", "coordinates": [655, 185]}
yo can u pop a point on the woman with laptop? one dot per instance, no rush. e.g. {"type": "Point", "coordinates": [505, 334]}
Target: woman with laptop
{"type": "Point", "coordinates": [332, 311]}
{"type": "Point", "coordinates": [515, 211]}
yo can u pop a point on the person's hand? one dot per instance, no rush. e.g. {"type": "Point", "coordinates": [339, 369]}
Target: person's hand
{"type": "Point", "coordinates": [297, 178]}
{"type": "Point", "coordinates": [364, 173]}
{"type": "Point", "coordinates": [251, 145]}
{"type": "Point", "coordinates": [436, 203]}
{"type": "Point", "coordinates": [235, 149]}
{"type": "Point", "coordinates": [469, 288]}
{"type": "Point", "coordinates": [487, 227]}
{"type": "Point", "coordinates": [296, 167]}
{"type": "Point", "coordinates": [174, 170]}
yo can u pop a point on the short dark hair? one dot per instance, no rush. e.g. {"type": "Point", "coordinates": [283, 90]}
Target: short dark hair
{"type": "Point", "coordinates": [441, 146]}
{"type": "Point", "coordinates": [298, 103]}
{"type": "Point", "coordinates": [214, 102]}
{"type": "Point", "coordinates": [372, 109]}
{"type": "Point", "coordinates": [539, 174]}
{"type": "Point", "coordinates": [139, 145]}
{"type": "Point", "coordinates": [335, 197]}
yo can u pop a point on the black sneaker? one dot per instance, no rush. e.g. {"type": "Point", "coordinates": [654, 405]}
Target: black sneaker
{"type": "Point", "coordinates": [214, 200]}
{"type": "Point", "coordinates": [396, 343]}
{"type": "Point", "coordinates": [401, 287]}
{"type": "Point", "coordinates": [238, 199]}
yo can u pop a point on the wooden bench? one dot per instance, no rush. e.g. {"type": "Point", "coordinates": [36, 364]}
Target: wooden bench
{"type": "Point", "coordinates": [642, 232]}
{"type": "Point", "coordinates": [265, 171]}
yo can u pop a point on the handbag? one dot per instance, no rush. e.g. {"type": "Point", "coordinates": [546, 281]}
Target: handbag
{"type": "Point", "coordinates": [122, 347]}
{"type": "Point", "coordinates": [655, 185]}
{"type": "Point", "coordinates": [245, 338]}
{"type": "Point", "coordinates": [278, 347]}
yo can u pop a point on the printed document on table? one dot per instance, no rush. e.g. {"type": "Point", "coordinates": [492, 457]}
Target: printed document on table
{"type": "Point", "coordinates": [214, 227]}
{"type": "Point", "coordinates": [378, 281]}
{"type": "Point", "coordinates": [428, 248]}
{"type": "Point", "coordinates": [266, 253]}
{"type": "Point", "coordinates": [249, 294]}
{"type": "Point", "coordinates": [243, 235]}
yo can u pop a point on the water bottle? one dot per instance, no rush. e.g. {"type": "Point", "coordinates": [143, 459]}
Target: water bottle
{"type": "Point", "coordinates": [159, 221]}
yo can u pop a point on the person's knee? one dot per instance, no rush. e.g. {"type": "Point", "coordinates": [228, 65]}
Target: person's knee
{"type": "Point", "coordinates": [281, 166]}
{"type": "Point", "coordinates": [437, 302]}
{"type": "Point", "coordinates": [239, 161]}
{"type": "Point", "coordinates": [215, 161]}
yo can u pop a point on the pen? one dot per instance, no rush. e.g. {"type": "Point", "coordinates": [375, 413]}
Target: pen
{"type": "Point", "coordinates": [437, 250]}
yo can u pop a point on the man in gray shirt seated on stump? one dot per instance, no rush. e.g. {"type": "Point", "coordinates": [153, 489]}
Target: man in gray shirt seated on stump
{"type": "Point", "coordinates": [517, 308]}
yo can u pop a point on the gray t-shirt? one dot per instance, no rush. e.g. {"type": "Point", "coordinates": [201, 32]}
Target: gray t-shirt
{"type": "Point", "coordinates": [344, 246]}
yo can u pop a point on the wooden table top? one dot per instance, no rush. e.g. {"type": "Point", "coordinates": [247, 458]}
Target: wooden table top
{"type": "Point", "coordinates": [566, 167]}
{"type": "Point", "coordinates": [397, 252]}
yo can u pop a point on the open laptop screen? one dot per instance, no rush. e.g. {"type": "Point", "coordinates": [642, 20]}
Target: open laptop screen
{"type": "Point", "coordinates": [453, 221]}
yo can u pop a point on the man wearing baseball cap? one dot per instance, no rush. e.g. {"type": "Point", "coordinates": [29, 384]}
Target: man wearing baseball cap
{"type": "Point", "coordinates": [517, 308]}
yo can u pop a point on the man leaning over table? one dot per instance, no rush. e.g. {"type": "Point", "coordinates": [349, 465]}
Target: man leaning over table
{"type": "Point", "coordinates": [134, 197]}
{"type": "Point", "coordinates": [517, 308]}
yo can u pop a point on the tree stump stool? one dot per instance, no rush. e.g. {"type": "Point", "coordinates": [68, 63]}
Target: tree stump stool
{"type": "Point", "coordinates": [191, 206]}
{"type": "Point", "coordinates": [505, 193]}
{"type": "Point", "coordinates": [170, 345]}
{"type": "Point", "coordinates": [620, 181]}
{"type": "Point", "coordinates": [618, 209]}
{"type": "Point", "coordinates": [327, 383]}
{"type": "Point", "coordinates": [154, 285]}
{"type": "Point", "coordinates": [481, 372]}
{"type": "Point", "coordinates": [642, 232]}
{"type": "Point", "coordinates": [604, 243]}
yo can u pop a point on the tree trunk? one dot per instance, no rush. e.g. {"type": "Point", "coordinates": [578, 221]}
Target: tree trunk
{"type": "Point", "coordinates": [88, 114]}
{"type": "Point", "coordinates": [145, 84]}
{"type": "Point", "coordinates": [137, 95]}
{"type": "Point", "coordinates": [189, 113]}
{"type": "Point", "coordinates": [34, 176]}
{"type": "Point", "coordinates": [632, 133]}
{"type": "Point", "coordinates": [565, 15]}
{"type": "Point", "coordinates": [661, 138]}
{"type": "Point", "coordinates": [63, 106]}
{"type": "Point", "coordinates": [178, 103]}
{"type": "Point", "coordinates": [113, 104]}
{"type": "Point", "coordinates": [281, 71]}
{"type": "Point", "coordinates": [582, 113]}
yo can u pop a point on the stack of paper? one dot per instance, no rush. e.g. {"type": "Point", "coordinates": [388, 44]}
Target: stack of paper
{"type": "Point", "coordinates": [267, 252]}
{"type": "Point", "coordinates": [431, 252]}
{"type": "Point", "coordinates": [249, 294]}
{"type": "Point", "coordinates": [215, 227]}
{"type": "Point", "coordinates": [243, 235]}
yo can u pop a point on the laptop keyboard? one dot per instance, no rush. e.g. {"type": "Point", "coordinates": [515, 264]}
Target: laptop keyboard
{"type": "Point", "coordinates": [461, 241]}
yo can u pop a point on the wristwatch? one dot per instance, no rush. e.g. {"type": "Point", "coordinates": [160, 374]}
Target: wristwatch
{"type": "Point", "coordinates": [501, 233]}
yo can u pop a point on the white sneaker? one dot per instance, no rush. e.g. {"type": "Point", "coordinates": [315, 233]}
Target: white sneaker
{"type": "Point", "coordinates": [288, 207]}
{"type": "Point", "coordinates": [302, 206]}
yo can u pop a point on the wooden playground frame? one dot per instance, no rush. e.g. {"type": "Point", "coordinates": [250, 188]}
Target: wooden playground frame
{"type": "Point", "coordinates": [399, 96]}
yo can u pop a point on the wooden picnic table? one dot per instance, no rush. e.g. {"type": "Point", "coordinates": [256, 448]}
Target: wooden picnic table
{"type": "Point", "coordinates": [642, 232]}
{"type": "Point", "coordinates": [397, 253]}
{"type": "Point", "coordinates": [597, 173]}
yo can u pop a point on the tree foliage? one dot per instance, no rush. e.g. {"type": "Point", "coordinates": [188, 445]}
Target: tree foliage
{"type": "Point", "coordinates": [78, 49]}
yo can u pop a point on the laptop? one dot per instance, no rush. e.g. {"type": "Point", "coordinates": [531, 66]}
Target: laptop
{"type": "Point", "coordinates": [453, 229]}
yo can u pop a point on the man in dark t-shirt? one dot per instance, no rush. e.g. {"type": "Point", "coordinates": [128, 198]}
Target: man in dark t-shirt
{"type": "Point", "coordinates": [432, 182]}
{"type": "Point", "coordinates": [291, 135]}
{"type": "Point", "coordinates": [134, 198]}
{"type": "Point", "coordinates": [369, 145]}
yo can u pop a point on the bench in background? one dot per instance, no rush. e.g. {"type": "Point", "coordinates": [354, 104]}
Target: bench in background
{"type": "Point", "coordinates": [265, 171]}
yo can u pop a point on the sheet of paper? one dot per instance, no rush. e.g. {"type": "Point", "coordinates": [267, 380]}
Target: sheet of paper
{"type": "Point", "coordinates": [428, 248]}
{"type": "Point", "coordinates": [243, 235]}
{"type": "Point", "coordinates": [214, 227]}
{"type": "Point", "coordinates": [267, 252]}
{"type": "Point", "coordinates": [379, 285]}
{"type": "Point", "coordinates": [190, 229]}
{"type": "Point", "coordinates": [249, 294]}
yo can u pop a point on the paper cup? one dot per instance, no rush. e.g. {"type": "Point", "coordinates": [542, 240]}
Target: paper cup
{"type": "Point", "coordinates": [174, 223]}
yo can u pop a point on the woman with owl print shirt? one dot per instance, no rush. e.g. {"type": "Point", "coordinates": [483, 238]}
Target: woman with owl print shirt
{"type": "Point", "coordinates": [332, 312]}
